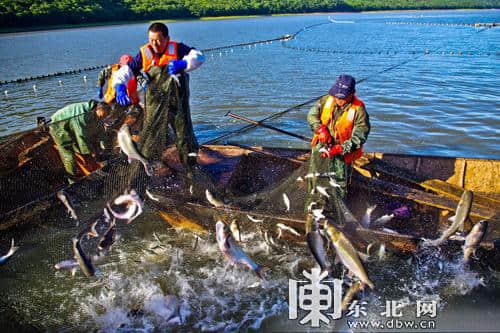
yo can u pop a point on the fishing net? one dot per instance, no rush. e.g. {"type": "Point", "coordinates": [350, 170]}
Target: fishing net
{"type": "Point", "coordinates": [190, 188]}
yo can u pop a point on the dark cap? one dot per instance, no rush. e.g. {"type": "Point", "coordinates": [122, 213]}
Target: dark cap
{"type": "Point", "coordinates": [343, 87]}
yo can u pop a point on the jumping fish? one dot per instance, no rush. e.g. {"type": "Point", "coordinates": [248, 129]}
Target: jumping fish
{"type": "Point", "coordinates": [350, 294]}
{"type": "Point", "coordinates": [347, 254]}
{"type": "Point", "coordinates": [70, 264]}
{"type": "Point", "coordinates": [461, 214]}
{"type": "Point", "coordinates": [367, 217]}
{"type": "Point", "coordinates": [235, 230]}
{"type": "Point", "coordinates": [381, 221]}
{"type": "Point", "coordinates": [473, 239]}
{"type": "Point", "coordinates": [179, 221]}
{"type": "Point", "coordinates": [61, 195]}
{"type": "Point", "coordinates": [133, 204]}
{"type": "Point", "coordinates": [6, 257]}
{"type": "Point", "coordinates": [215, 202]}
{"type": "Point", "coordinates": [289, 229]}
{"type": "Point", "coordinates": [322, 190]}
{"type": "Point", "coordinates": [253, 219]}
{"type": "Point", "coordinates": [128, 148]}
{"type": "Point", "coordinates": [286, 201]}
{"type": "Point", "coordinates": [333, 183]}
{"type": "Point", "coordinates": [83, 260]}
{"type": "Point", "coordinates": [316, 245]}
{"type": "Point", "coordinates": [232, 251]}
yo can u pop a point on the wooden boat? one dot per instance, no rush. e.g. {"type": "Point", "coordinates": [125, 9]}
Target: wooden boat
{"type": "Point", "coordinates": [31, 172]}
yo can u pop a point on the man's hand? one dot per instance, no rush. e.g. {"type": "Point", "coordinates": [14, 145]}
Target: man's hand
{"type": "Point", "coordinates": [332, 151]}
{"type": "Point", "coordinates": [176, 66]}
{"type": "Point", "coordinates": [324, 135]}
{"type": "Point", "coordinates": [121, 95]}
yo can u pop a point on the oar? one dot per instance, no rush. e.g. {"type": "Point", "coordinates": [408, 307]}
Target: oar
{"type": "Point", "coordinates": [259, 123]}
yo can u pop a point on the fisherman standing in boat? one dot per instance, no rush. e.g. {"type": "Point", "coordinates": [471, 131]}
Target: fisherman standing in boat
{"type": "Point", "coordinates": [166, 64]}
{"type": "Point", "coordinates": [77, 130]}
{"type": "Point", "coordinates": [341, 125]}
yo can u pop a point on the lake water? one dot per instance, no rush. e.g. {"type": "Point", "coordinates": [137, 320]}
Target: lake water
{"type": "Point", "coordinates": [430, 88]}
{"type": "Point", "coordinates": [435, 104]}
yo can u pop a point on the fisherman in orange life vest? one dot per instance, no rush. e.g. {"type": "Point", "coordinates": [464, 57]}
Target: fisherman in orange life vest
{"type": "Point", "coordinates": [341, 125]}
{"type": "Point", "coordinates": [166, 64]}
{"type": "Point", "coordinates": [160, 51]}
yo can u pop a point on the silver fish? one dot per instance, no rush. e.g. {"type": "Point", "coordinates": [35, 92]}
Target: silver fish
{"type": "Point", "coordinates": [6, 257]}
{"type": "Point", "coordinates": [350, 294]}
{"type": "Point", "coordinates": [333, 183]}
{"type": "Point", "coordinates": [235, 230]}
{"type": "Point", "coordinates": [287, 228]}
{"type": "Point", "coordinates": [461, 214]}
{"type": "Point", "coordinates": [286, 201]}
{"type": "Point", "coordinates": [381, 221]}
{"type": "Point", "coordinates": [70, 264]}
{"type": "Point", "coordinates": [473, 239]}
{"type": "Point", "coordinates": [82, 259]}
{"type": "Point", "coordinates": [367, 217]}
{"type": "Point", "coordinates": [128, 147]}
{"type": "Point", "coordinates": [217, 203]}
{"type": "Point", "coordinates": [316, 246]}
{"type": "Point", "coordinates": [347, 254]}
{"type": "Point", "coordinates": [133, 204]}
{"type": "Point", "coordinates": [322, 190]}
{"type": "Point", "coordinates": [152, 196]}
{"type": "Point", "coordinates": [61, 195]}
{"type": "Point", "coordinates": [253, 219]}
{"type": "Point", "coordinates": [233, 253]}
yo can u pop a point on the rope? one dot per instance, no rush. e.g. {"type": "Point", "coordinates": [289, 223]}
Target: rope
{"type": "Point", "coordinates": [475, 25]}
{"type": "Point", "coordinates": [73, 71]}
{"type": "Point", "coordinates": [388, 52]}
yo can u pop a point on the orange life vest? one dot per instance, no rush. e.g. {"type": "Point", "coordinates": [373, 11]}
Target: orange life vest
{"type": "Point", "coordinates": [150, 59]}
{"type": "Point", "coordinates": [343, 126]}
{"type": "Point", "coordinates": [131, 88]}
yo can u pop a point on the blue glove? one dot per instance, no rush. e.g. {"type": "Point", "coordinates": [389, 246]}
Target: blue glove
{"type": "Point", "coordinates": [121, 95]}
{"type": "Point", "coordinates": [176, 66]}
{"type": "Point", "coordinates": [99, 92]}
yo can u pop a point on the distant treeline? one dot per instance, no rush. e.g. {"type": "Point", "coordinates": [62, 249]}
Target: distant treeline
{"type": "Point", "coordinates": [30, 13]}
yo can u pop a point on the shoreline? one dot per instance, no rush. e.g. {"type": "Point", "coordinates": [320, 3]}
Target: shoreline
{"type": "Point", "coordinates": [17, 30]}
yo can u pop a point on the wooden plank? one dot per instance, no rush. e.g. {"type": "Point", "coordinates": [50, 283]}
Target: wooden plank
{"type": "Point", "coordinates": [429, 199]}
{"type": "Point", "coordinates": [436, 185]}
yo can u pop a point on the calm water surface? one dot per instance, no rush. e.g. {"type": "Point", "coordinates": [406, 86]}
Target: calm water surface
{"type": "Point", "coordinates": [435, 104]}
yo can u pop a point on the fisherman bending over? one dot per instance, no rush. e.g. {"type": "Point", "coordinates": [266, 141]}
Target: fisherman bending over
{"type": "Point", "coordinates": [77, 130]}
{"type": "Point", "coordinates": [341, 125]}
{"type": "Point", "coordinates": [167, 95]}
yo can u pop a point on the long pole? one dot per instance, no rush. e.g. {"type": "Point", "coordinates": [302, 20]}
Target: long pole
{"type": "Point", "coordinates": [258, 123]}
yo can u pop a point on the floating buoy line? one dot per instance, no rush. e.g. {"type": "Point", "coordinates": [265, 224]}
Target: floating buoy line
{"type": "Point", "coordinates": [229, 49]}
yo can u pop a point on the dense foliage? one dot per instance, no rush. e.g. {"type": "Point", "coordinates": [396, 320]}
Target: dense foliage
{"type": "Point", "coordinates": [24, 13]}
